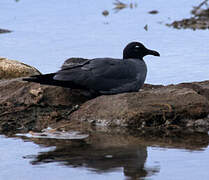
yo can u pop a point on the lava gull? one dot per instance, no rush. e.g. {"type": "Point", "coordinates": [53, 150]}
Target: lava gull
{"type": "Point", "coordinates": [102, 75]}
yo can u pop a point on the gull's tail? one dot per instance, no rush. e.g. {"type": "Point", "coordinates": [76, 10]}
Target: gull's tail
{"type": "Point", "coordinates": [46, 79]}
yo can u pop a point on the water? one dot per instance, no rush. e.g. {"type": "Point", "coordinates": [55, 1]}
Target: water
{"type": "Point", "coordinates": [179, 164]}
{"type": "Point", "coordinates": [45, 33]}
{"type": "Point", "coordinates": [105, 156]}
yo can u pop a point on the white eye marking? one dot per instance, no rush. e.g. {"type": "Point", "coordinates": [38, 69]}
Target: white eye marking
{"type": "Point", "coordinates": [136, 46]}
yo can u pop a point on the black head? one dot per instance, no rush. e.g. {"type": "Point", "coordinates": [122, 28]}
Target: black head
{"type": "Point", "coordinates": [137, 50]}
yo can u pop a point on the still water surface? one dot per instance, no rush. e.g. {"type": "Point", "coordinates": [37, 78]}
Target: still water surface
{"type": "Point", "coordinates": [105, 156]}
{"type": "Point", "coordinates": [45, 33]}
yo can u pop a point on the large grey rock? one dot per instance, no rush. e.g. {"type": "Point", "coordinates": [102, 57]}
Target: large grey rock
{"type": "Point", "coordinates": [12, 69]}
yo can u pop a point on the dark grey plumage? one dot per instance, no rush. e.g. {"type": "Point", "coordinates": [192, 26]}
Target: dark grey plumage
{"type": "Point", "coordinates": [102, 75]}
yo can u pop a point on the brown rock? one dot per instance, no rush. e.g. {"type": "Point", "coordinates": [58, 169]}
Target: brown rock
{"type": "Point", "coordinates": [165, 106]}
{"type": "Point", "coordinates": [13, 69]}
{"type": "Point", "coordinates": [199, 20]}
{"type": "Point", "coordinates": [30, 106]}
{"type": "Point", "coordinates": [201, 88]}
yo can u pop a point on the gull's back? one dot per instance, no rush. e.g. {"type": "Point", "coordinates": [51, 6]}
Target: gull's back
{"type": "Point", "coordinates": [106, 75]}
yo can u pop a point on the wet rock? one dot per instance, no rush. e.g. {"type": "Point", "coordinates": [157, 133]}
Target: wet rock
{"type": "Point", "coordinates": [29, 106]}
{"type": "Point", "coordinates": [203, 123]}
{"type": "Point", "coordinates": [12, 69]}
{"type": "Point", "coordinates": [153, 12]}
{"type": "Point", "coordinates": [4, 31]}
{"type": "Point", "coordinates": [146, 27]}
{"type": "Point", "coordinates": [199, 19]}
{"type": "Point", "coordinates": [161, 107]}
{"type": "Point", "coordinates": [201, 88]}
{"type": "Point", "coordinates": [191, 23]}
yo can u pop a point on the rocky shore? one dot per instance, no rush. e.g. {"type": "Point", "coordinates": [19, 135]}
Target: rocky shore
{"type": "Point", "coordinates": [28, 107]}
{"type": "Point", "coordinates": [198, 20]}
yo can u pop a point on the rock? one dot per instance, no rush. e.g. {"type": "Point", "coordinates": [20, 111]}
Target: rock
{"type": "Point", "coordinates": [12, 69]}
{"type": "Point", "coordinates": [201, 88]}
{"type": "Point", "coordinates": [161, 107]}
{"type": "Point", "coordinates": [191, 23]}
{"type": "Point", "coordinates": [199, 20]}
{"type": "Point", "coordinates": [30, 106]}
{"type": "Point", "coordinates": [5, 31]}
{"type": "Point", "coordinates": [153, 12]}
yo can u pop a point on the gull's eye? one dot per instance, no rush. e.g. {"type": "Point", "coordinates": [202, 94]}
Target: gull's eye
{"type": "Point", "coordinates": [136, 48]}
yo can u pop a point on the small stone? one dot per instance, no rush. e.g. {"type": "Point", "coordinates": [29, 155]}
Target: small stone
{"type": "Point", "coordinates": [146, 27]}
{"type": "Point", "coordinates": [153, 12]}
{"type": "Point", "coordinates": [36, 92]}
